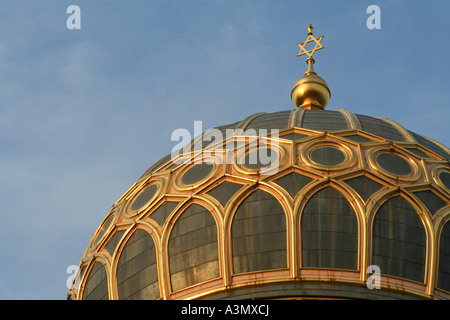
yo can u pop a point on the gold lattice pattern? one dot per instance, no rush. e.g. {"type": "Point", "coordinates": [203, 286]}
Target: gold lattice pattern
{"type": "Point", "coordinates": [403, 169]}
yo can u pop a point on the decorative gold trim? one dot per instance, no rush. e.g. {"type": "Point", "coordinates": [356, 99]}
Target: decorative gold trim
{"type": "Point", "coordinates": [296, 118]}
{"type": "Point", "coordinates": [440, 145]}
{"type": "Point", "coordinates": [167, 230]}
{"type": "Point", "coordinates": [352, 119]}
{"type": "Point", "coordinates": [362, 162]}
{"type": "Point", "coordinates": [240, 128]}
{"type": "Point", "coordinates": [390, 284]}
{"type": "Point", "coordinates": [111, 220]}
{"type": "Point", "coordinates": [167, 198]}
{"type": "Point", "coordinates": [440, 220]}
{"type": "Point", "coordinates": [372, 160]}
{"type": "Point", "coordinates": [364, 173]}
{"type": "Point", "coordinates": [405, 133]}
{"type": "Point", "coordinates": [180, 186]}
{"type": "Point", "coordinates": [80, 276]}
{"type": "Point", "coordinates": [424, 216]}
{"type": "Point", "coordinates": [358, 209]}
{"type": "Point", "coordinates": [307, 149]}
{"type": "Point", "coordinates": [115, 259]}
{"type": "Point", "coordinates": [241, 153]}
{"type": "Point", "coordinates": [345, 133]}
{"type": "Point", "coordinates": [128, 212]}
{"type": "Point", "coordinates": [435, 172]}
{"type": "Point", "coordinates": [153, 233]}
{"type": "Point", "coordinates": [230, 212]}
{"type": "Point", "coordinates": [424, 187]}
{"type": "Point", "coordinates": [104, 261]}
{"type": "Point", "coordinates": [308, 133]}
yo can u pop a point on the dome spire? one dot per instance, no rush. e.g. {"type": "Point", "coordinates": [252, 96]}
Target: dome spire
{"type": "Point", "coordinates": [310, 91]}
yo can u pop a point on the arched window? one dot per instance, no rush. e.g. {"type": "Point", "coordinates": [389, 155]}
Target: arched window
{"type": "Point", "coordinates": [96, 287]}
{"type": "Point", "coordinates": [193, 248]}
{"type": "Point", "coordinates": [258, 233]}
{"type": "Point", "coordinates": [399, 240]}
{"type": "Point", "coordinates": [137, 274]}
{"type": "Point", "coordinates": [444, 259]}
{"type": "Point", "coordinates": [329, 232]}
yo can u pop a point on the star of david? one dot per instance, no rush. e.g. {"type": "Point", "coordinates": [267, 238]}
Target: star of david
{"type": "Point", "coordinates": [310, 38]}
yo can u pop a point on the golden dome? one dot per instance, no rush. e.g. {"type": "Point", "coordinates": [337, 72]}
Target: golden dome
{"type": "Point", "coordinates": [350, 191]}
{"type": "Point", "coordinates": [345, 193]}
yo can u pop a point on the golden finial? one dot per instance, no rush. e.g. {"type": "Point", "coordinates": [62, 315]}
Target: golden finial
{"type": "Point", "coordinates": [310, 91]}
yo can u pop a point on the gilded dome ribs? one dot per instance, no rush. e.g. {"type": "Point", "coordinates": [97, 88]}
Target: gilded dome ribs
{"type": "Point", "coordinates": [285, 226]}
{"type": "Point", "coordinates": [309, 210]}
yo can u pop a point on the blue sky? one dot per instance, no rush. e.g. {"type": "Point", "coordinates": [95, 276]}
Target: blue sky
{"type": "Point", "coordinates": [83, 113]}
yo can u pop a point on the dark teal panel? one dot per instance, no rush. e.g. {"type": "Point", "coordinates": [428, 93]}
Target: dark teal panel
{"type": "Point", "coordinates": [224, 192]}
{"type": "Point", "coordinates": [417, 152]}
{"type": "Point", "coordinates": [137, 274]}
{"type": "Point", "coordinates": [103, 229]}
{"type": "Point", "coordinates": [430, 200]}
{"type": "Point", "coordinates": [365, 186]}
{"type": "Point", "coordinates": [357, 138]}
{"type": "Point", "coordinates": [399, 241]}
{"type": "Point", "coordinates": [96, 286]}
{"type": "Point", "coordinates": [327, 156]}
{"type": "Point", "coordinates": [276, 120]}
{"type": "Point", "coordinates": [380, 128]}
{"type": "Point", "coordinates": [444, 259]}
{"type": "Point", "coordinates": [394, 164]}
{"type": "Point", "coordinates": [193, 248]}
{"type": "Point", "coordinates": [259, 158]}
{"type": "Point", "coordinates": [160, 215]}
{"type": "Point", "coordinates": [444, 176]}
{"type": "Point", "coordinates": [258, 234]}
{"type": "Point", "coordinates": [112, 243]}
{"type": "Point", "coordinates": [430, 145]}
{"type": "Point", "coordinates": [146, 195]}
{"type": "Point", "coordinates": [329, 232]}
{"type": "Point", "coordinates": [294, 136]}
{"type": "Point", "coordinates": [324, 120]}
{"type": "Point", "coordinates": [293, 183]}
{"type": "Point", "coordinates": [197, 173]}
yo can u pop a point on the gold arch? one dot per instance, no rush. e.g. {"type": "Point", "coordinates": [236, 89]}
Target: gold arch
{"type": "Point", "coordinates": [358, 208]}
{"type": "Point", "coordinates": [154, 234]}
{"type": "Point", "coordinates": [169, 225]}
{"type": "Point", "coordinates": [230, 212]}
{"type": "Point", "coordinates": [424, 217]}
